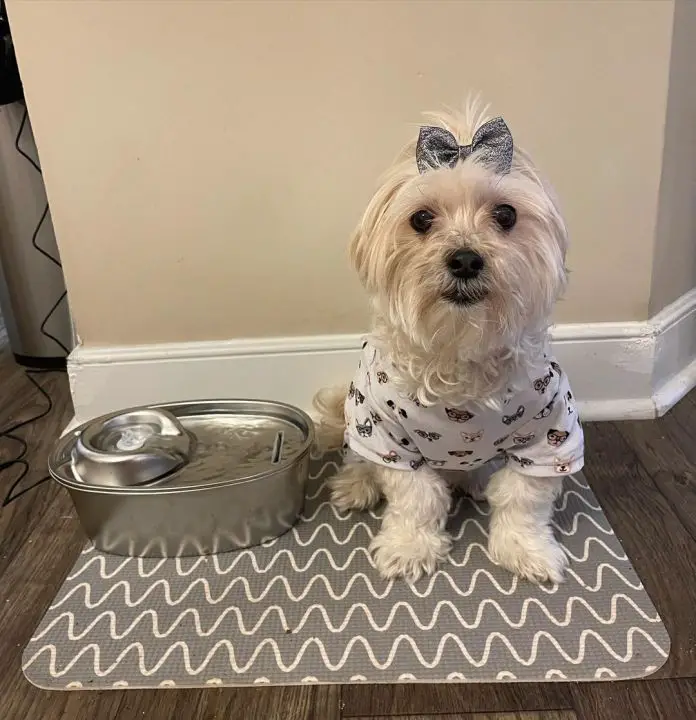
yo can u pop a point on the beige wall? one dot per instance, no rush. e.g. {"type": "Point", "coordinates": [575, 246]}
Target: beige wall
{"type": "Point", "coordinates": [674, 263]}
{"type": "Point", "coordinates": [206, 161]}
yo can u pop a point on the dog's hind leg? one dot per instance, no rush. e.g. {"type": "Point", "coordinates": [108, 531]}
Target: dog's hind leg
{"type": "Point", "coordinates": [330, 423]}
{"type": "Point", "coordinates": [354, 487]}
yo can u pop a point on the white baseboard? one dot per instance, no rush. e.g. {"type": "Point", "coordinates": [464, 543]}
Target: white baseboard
{"type": "Point", "coordinates": [617, 370]}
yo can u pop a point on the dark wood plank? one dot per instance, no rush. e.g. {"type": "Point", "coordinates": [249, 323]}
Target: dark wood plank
{"type": "Point", "coordinates": [689, 399]}
{"type": "Point", "coordinates": [542, 715]}
{"type": "Point", "coordinates": [34, 576]}
{"type": "Point", "coordinates": [12, 398]}
{"type": "Point", "coordinates": [89, 705]}
{"type": "Point", "coordinates": [377, 700]}
{"type": "Point", "coordinates": [667, 449]}
{"type": "Point", "coordinates": [38, 535]}
{"type": "Point", "coordinates": [662, 551]}
{"type": "Point", "coordinates": [646, 700]}
{"type": "Point", "coordinates": [155, 704]}
{"type": "Point", "coordinates": [22, 701]}
{"type": "Point", "coordinates": [19, 399]}
{"type": "Point", "coordinates": [19, 518]}
{"type": "Point", "coordinates": [307, 702]}
{"type": "Point", "coordinates": [29, 583]}
{"type": "Point", "coordinates": [281, 703]}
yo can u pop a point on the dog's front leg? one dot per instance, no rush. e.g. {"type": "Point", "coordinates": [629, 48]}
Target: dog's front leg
{"type": "Point", "coordinates": [412, 540]}
{"type": "Point", "coordinates": [521, 538]}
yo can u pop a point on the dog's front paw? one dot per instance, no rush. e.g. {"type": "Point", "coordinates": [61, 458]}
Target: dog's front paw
{"type": "Point", "coordinates": [409, 554]}
{"type": "Point", "coordinates": [536, 558]}
{"type": "Point", "coordinates": [354, 488]}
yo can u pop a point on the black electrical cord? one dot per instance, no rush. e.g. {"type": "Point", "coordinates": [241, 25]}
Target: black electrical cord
{"type": "Point", "coordinates": [9, 433]}
{"type": "Point", "coordinates": [19, 460]}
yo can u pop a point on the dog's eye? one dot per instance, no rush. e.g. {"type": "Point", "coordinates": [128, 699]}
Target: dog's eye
{"type": "Point", "coordinates": [505, 216]}
{"type": "Point", "coordinates": [421, 221]}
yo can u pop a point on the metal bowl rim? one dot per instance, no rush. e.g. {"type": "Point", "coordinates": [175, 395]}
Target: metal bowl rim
{"type": "Point", "coordinates": [291, 410]}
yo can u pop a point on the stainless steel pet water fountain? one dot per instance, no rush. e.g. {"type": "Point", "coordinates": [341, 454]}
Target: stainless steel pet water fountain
{"type": "Point", "coordinates": [187, 478]}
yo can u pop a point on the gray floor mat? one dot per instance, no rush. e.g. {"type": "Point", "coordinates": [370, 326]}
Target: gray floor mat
{"type": "Point", "coordinates": [310, 607]}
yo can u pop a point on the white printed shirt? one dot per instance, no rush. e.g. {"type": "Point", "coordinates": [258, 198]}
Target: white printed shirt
{"type": "Point", "coordinates": [537, 432]}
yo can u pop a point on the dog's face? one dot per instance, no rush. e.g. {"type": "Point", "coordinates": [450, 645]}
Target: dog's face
{"type": "Point", "coordinates": [462, 247]}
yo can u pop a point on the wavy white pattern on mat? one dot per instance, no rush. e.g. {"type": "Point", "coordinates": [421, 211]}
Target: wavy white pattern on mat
{"type": "Point", "coordinates": [177, 566]}
{"type": "Point", "coordinates": [169, 598]}
{"type": "Point", "coordinates": [309, 607]}
{"type": "Point", "coordinates": [193, 614]}
{"type": "Point", "coordinates": [192, 669]}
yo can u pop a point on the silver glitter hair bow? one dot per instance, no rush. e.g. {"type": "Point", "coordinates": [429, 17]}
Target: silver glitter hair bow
{"type": "Point", "coordinates": [492, 143]}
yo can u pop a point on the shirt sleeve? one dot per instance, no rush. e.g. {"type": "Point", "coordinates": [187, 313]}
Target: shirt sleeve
{"type": "Point", "coordinates": [552, 443]}
{"type": "Point", "coordinates": [372, 430]}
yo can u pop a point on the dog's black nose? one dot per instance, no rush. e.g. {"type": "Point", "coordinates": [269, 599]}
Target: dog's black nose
{"type": "Point", "coordinates": [465, 264]}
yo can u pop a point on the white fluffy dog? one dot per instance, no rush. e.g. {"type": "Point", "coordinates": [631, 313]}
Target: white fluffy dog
{"type": "Point", "coordinates": [462, 252]}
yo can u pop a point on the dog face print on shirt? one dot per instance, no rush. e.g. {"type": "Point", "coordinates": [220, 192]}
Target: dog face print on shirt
{"type": "Point", "coordinates": [523, 439]}
{"type": "Point", "coordinates": [391, 457]}
{"type": "Point", "coordinates": [459, 416]}
{"type": "Point", "coordinates": [546, 411]}
{"type": "Point", "coordinates": [542, 383]}
{"type": "Point", "coordinates": [364, 429]}
{"type": "Point", "coordinates": [429, 436]}
{"type": "Point", "coordinates": [556, 437]}
{"type": "Point", "coordinates": [517, 415]}
{"type": "Point", "coordinates": [563, 466]}
{"type": "Point", "coordinates": [472, 437]}
{"type": "Point", "coordinates": [403, 441]}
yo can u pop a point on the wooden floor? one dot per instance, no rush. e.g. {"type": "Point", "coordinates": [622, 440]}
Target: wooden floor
{"type": "Point", "coordinates": [644, 474]}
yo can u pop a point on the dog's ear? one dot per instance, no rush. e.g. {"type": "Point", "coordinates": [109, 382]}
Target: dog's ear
{"type": "Point", "coordinates": [376, 222]}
